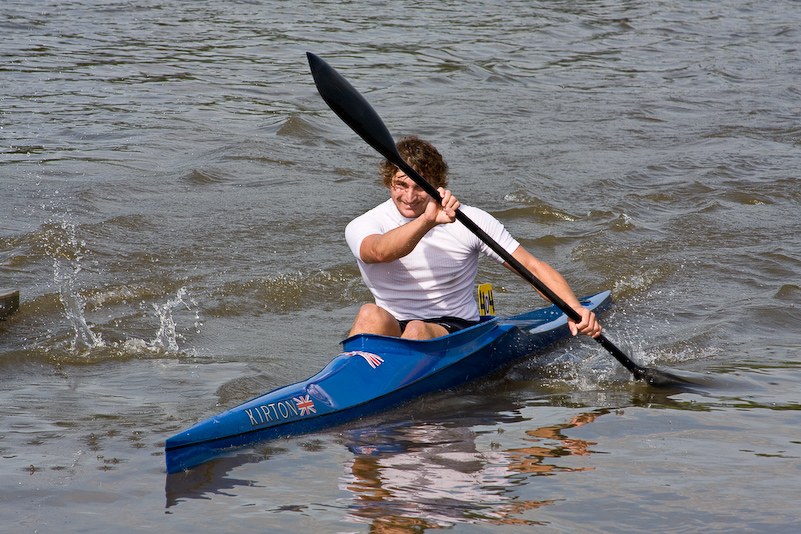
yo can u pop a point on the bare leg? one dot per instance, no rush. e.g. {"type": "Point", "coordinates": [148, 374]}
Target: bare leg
{"type": "Point", "coordinates": [373, 319]}
{"type": "Point", "coordinates": [423, 330]}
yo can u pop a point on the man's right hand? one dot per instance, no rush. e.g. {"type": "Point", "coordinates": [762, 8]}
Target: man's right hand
{"type": "Point", "coordinates": [442, 212]}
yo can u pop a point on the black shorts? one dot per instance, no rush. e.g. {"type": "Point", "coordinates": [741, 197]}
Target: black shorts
{"type": "Point", "coordinates": [451, 324]}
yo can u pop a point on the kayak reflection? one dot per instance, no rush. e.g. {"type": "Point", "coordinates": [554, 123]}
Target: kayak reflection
{"type": "Point", "coordinates": [434, 475]}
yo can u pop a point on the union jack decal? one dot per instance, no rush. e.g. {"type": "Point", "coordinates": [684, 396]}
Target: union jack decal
{"type": "Point", "coordinates": [373, 359]}
{"type": "Point", "coordinates": [305, 405]}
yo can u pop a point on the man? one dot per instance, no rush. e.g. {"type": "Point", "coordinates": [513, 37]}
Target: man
{"type": "Point", "coordinates": [421, 266]}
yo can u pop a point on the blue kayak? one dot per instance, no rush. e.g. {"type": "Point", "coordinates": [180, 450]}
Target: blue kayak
{"type": "Point", "coordinates": [373, 373]}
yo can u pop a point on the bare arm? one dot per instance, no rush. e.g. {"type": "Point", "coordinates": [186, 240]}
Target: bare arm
{"type": "Point", "coordinates": [397, 243]}
{"type": "Point", "coordinates": [557, 283]}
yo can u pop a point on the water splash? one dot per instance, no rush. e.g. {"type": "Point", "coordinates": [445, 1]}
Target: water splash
{"type": "Point", "coordinates": [62, 244]}
{"type": "Point", "coordinates": [167, 336]}
{"type": "Point", "coordinates": [67, 256]}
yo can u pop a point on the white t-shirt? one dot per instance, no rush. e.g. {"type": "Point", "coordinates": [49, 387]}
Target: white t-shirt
{"type": "Point", "coordinates": [434, 280]}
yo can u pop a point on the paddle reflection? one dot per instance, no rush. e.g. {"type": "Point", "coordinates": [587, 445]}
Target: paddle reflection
{"type": "Point", "coordinates": [408, 479]}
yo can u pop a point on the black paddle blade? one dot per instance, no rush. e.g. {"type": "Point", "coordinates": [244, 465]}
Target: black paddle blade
{"type": "Point", "coordinates": [665, 380]}
{"type": "Point", "coordinates": [352, 108]}
{"type": "Point", "coordinates": [655, 377]}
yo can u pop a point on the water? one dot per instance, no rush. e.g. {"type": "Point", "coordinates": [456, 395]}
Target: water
{"type": "Point", "coordinates": [174, 193]}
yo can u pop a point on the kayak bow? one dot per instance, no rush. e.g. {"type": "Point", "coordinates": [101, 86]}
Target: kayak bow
{"type": "Point", "coordinates": [373, 373]}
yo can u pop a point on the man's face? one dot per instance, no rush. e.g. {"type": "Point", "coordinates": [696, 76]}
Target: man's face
{"type": "Point", "coordinates": [408, 197]}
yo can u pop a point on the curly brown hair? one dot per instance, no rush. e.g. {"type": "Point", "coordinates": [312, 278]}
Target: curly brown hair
{"type": "Point", "coordinates": [423, 158]}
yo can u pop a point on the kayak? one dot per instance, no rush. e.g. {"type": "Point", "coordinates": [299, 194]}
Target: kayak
{"type": "Point", "coordinates": [373, 373]}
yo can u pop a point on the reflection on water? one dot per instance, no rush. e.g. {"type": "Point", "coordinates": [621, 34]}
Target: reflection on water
{"type": "Point", "coordinates": [427, 476]}
{"type": "Point", "coordinates": [205, 479]}
{"type": "Point", "coordinates": [410, 477]}
{"type": "Point", "coordinates": [530, 459]}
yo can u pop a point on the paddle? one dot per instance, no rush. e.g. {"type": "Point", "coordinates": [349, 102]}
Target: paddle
{"type": "Point", "coordinates": [357, 113]}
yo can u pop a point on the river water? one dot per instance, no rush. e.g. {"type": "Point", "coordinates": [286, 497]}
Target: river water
{"type": "Point", "coordinates": [173, 195]}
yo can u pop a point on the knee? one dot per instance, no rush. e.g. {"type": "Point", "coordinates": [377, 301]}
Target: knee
{"type": "Point", "coordinates": [415, 330]}
{"type": "Point", "coordinates": [370, 312]}
{"type": "Point", "coordinates": [373, 319]}
{"type": "Point", "coordinates": [423, 330]}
